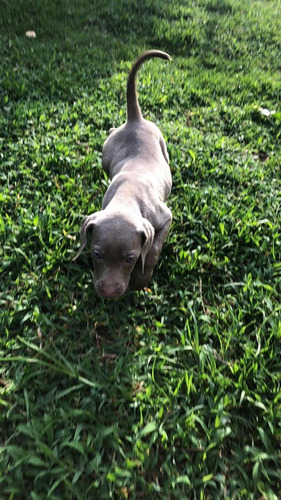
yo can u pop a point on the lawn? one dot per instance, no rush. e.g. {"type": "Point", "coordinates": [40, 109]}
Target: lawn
{"type": "Point", "coordinates": [172, 392]}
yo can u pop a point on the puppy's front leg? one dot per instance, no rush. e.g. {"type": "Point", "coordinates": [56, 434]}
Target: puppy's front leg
{"type": "Point", "coordinates": [139, 280]}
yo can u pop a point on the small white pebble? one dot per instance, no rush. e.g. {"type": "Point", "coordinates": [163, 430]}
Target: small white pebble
{"type": "Point", "coordinates": [267, 112]}
{"type": "Point", "coordinates": [30, 34]}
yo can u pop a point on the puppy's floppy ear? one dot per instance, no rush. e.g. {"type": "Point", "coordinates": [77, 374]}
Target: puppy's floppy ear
{"type": "Point", "coordinates": [87, 225]}
{"type": "Point", "coordinates": [148, 232]}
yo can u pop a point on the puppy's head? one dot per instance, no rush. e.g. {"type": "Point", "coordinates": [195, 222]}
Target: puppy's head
{"type": "Point", "coordinates": [117, 242]}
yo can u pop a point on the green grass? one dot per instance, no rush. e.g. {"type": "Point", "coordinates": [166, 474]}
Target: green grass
{"type": "Point", "coordinates": [173, 392]}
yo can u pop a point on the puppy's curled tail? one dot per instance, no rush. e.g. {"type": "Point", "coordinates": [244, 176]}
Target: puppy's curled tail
{"type": "Point", "coordinates": [133, 108]}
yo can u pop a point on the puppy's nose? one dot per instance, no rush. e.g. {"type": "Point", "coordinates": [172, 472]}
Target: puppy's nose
{"type": "Point", "coordinates": [111, 291]}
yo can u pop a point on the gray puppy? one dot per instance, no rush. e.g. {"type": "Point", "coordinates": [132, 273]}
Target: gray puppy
{"type": "Point", "coordinates": [130, 230]}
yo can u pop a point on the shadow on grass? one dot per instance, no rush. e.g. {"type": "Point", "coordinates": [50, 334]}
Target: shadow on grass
{"type": "Point", "coordinates": [80, 41]}
{"type": "Point", "coordinates": [78, 386]}
{"type": "Point", "coordinates": [75, 43]}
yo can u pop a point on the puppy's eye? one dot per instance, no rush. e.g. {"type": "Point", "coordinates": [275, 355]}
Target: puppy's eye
{"type": "Point", "coordinates": [130, 259]}
{"type": "Point", "coordinates": [97, 255]}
